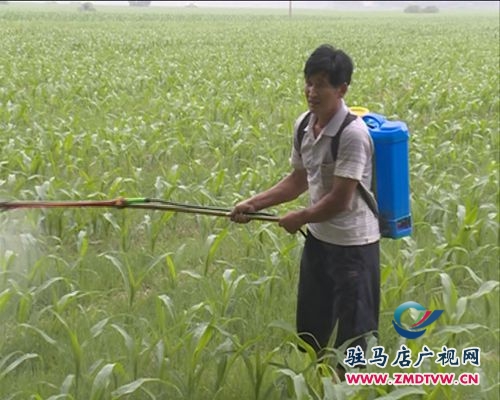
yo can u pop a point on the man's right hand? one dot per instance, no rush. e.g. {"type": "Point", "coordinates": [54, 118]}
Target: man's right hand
{"type": "Point", "coordinates": [238, 212]}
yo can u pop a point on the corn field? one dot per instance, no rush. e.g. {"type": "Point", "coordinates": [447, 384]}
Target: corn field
{"type": "Point", "coordinates": [197, 106]}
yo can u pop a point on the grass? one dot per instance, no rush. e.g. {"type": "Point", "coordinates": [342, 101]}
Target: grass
{"type": "Point", "coordinates": [198, 107]}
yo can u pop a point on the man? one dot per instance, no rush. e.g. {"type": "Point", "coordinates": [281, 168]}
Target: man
{"type": "Point", "coordinates": [339, 272]}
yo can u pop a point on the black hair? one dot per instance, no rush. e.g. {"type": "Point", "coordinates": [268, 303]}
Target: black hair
{"type": "Point", "coordinates": [334, 62]}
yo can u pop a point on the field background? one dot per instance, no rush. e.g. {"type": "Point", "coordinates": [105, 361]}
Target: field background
{"type": "Point", "coordinates": [197, 106]}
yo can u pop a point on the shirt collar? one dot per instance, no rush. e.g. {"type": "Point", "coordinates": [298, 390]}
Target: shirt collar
{"type": "Point", "coordinates": [334, 124]}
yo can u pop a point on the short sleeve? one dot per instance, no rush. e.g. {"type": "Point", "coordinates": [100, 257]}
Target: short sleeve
{"type": "Point", "coordinates": [355, 149]}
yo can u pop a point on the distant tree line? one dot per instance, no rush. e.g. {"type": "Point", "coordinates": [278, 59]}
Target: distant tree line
{"type": "Point", "coordinates": [414, 9]}
{"type": "Point", "coordinates": [139, 3]}
{"type": "Point", "coordinates": [87, 6]}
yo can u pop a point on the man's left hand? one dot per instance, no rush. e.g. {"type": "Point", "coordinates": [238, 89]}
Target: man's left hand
{"type": "Point", "coordinates": [292, 221]}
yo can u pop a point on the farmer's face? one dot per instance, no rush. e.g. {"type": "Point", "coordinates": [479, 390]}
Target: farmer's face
{"type": "Point", "coordinates": [321, 96]}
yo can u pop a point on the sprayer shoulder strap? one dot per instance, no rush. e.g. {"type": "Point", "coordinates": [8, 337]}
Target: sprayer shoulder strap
{"type": "Point", "coordinates": [335, 140]}
{"type": "Point", "coordinates": [365, 194]}
{"type": "Point", "coordinates": [301, 131]}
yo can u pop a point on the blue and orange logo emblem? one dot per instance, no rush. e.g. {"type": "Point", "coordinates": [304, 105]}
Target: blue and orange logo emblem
{"type": "Point", "coordinates": [424, 319]}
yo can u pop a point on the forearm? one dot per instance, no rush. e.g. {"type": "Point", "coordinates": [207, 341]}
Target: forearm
{"type": "Point", "coordinates": [288, 189]}
{"type": "Point", "coordinates": [338, 200]}
{"type": "Point", "coordinates": [328, 207]}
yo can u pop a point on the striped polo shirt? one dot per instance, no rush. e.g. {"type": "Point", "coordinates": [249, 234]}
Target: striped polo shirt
{"type": "Point", "coordinates": [358, 225]}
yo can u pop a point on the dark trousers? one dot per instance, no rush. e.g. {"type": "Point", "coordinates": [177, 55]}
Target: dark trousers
{"type": "Point", "coordinates": [338, 285]}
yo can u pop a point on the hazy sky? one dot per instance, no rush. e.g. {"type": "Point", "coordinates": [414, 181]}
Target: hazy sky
{"type": "Point", "coordinates": [311, 4]}
{"type": "Point", "coordinates": [307, 4]}
{"type": "Point", "coordinates": [226, 4]}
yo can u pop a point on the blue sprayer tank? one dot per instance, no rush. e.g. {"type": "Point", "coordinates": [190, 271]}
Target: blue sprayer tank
{"type": "Point", "coordinates": [391, 141]}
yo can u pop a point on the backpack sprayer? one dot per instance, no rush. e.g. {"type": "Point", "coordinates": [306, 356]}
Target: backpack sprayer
{"type": "Point", "coordinates": [391, 180]}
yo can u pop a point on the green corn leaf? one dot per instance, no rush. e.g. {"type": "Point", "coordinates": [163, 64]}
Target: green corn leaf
{"type": "Point", "coordinates": [402, 393]}
{"type": "Point", "coordinates": [82, 243]}
{"type": "Point", "coordinates": [486, 288]}
{"type": "Point", "coordinates": [4, 298]}
{"type": "Point", "coordinates": [167, 301]}
{"type": "Point", "coordinates": [449, 293]}
{"type": "Point", "coordinates": [63, 301]}
{"type": "Point", "coordinates": [67, 384]}
{"type": "Point", "coordinates": [16, 363]}
{"type": "Point", "coordinates": [102, 381]}
{"type": "Point", "coordinates": [300, 387]}
{"type": "Point", "coordinates": [203, 333]}
{"type": "Point", "coordinates": [130, 388]}
{"type": "Point", "coordinates": [44, 336]}
{"type": "Point", "coordinates": [111, 219]}
{"type": "Point", "coordinates": [129, 341]}
{"type": "Point", "coordinates": [463, 328]}
{"type": "Point", "coordinates": [98, 328]}
{"type": "Point", "coordinates": [171, 266]}
{"type": "Point", "coordinates": [213, 242]}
